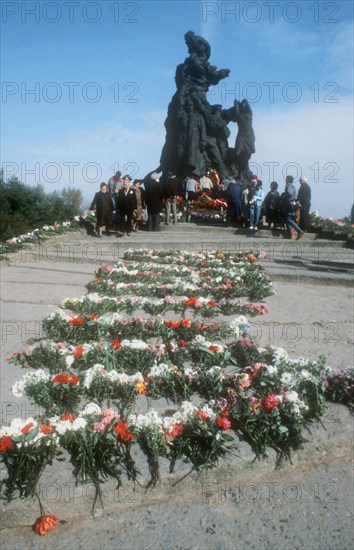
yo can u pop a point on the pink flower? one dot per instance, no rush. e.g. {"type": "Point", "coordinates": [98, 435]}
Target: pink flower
{"type": "Point", "coordinates": [99, 426]}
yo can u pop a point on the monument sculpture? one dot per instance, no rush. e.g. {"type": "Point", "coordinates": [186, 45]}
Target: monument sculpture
{"type": "Point", "coordinates": [196, 132]}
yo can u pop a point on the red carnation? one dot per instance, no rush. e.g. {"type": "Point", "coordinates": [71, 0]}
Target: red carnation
{"type": "Point", "coordinates": [121, 429]}
{"type": "Point", "coordinates": [45, 524]}
{"type": "Point", "coordinates": [191, 302]}
{"type": "Point", "coordinates": [202, 415]}
{"type": "Point", "coordinates": [5, 443]}
{"type": "Point", "coordinates": [27, 428]}
{"type": "Point", "coordinates": [269, 403]}
{"type": "Point", "coordinates": [116, 344]}
{"type": "Point", "coordinates": [79, 350]}
{"type": "Point", "coordinates": [76, 321]}
{"type": "Point", "coordinates": [66, 379]}
{"type": "Point", "coordinates": [223, 423]}
{"type": "Point", "coordinates": [68, 416]}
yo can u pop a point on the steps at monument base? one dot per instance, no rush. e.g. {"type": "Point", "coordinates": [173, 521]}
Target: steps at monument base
{"type": "Point", "coordinates": [314, 260]}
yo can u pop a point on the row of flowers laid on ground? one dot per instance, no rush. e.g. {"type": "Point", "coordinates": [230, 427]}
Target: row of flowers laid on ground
{"type": "Point", "coordinates": [225, 388]}
{"type": "Point", "coordinates": [204, 210]}
{"type": "Point", "coordinates": [37, 236]}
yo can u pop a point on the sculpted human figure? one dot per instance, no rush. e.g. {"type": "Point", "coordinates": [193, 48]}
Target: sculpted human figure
{"type": "Point", "coordinates": [245, 139]}
{"type": "Point", "coordinates": [197, 132]}
{"type": "Point", "coordinates": [189, 111]}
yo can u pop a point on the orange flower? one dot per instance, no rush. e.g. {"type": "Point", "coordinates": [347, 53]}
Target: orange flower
{"type": "Point", "coordinates": [121, 429]}
{"type": "Point", "coordinates": [93, 317]}
{"type": "Point", "coordinates": [141, 388]}
{"type": "Point", "coordinates": [250, 257]}
{"type": "Point", "coordinates": [190, 302]}
{"type": "Point", "coordinates": [223, 423]}
{"type": "Point", "coordinates": [76, 321]}
{"type": "Point", "coordinates": [212, 303]}
{"type": "Point", "coordinates": [67, 416]}
{"type": "Point", "coordinates": [27, 428]}
{"type": "Point", "coordinates": [186, 323]}
{"type": "Point", "coordinates": [5, 443]}
{"type": "Point", "coordinates": [213, 348]}
{"type": "Point", "coordinates": [255, 406]}
{"type": "Point", "coordinates": [177, 429]}
{"type": "Point", "coordinates": [45, 428]}
{"type": "Point", "coordinates": [116, 344]}
{"type": "Point", "coordinates": [202, 415]}
{"type": "Point", "coordinates": [172, 324]}
{"type": "Point", "coordinates": [66, 379]}
{"type": "Point", "coordinates": [44, 524]}
{"type": "Point", "coordinates": [78, 351]}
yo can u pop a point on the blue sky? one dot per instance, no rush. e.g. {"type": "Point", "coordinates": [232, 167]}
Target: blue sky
{"type": "Point", "coordinates": [102, 74]}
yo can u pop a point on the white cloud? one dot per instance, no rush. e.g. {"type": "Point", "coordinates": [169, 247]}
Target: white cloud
{"type": "Point", "coordinates": [315, 140]}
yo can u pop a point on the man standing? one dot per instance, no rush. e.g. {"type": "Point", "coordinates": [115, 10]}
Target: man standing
{"type": "Point", "coordinates": [304, 198]}
{"type": "Point", "coordinates": [126, 204]}
{"type": "Point", "coordinates": [170, 186]}
{"type": "Point", "coordinates": [153, 200]}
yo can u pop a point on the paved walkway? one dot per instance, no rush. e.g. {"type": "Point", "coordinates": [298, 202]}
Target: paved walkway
{"type": "Point", "coordinates": [311, 506]}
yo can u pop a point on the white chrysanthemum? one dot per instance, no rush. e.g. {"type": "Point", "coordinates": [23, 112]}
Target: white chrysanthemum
{"type": "Point", "coordinates": [159, 370]}
{"type": "Point", "coordinates": [143, 421]}
{"type": "Point", "coordinates": [19, 388]}
{"type": "Point", "coordinates": [135, 344]}
{"type": "Point", "coordinates": [279, 354]}
{"type": "Point", "coordinates": [110, 319]}
{"type": "Point", "coordinates": [291, 396]}
{"type": "Point", "coordinates": [63, 426]}
{"type": "Point", "coordinates": [297, 405]}
{"type": "Point", "coordinates": [69, 359]}
{"type": "Point", "coordinates": [79, 424]}
{"type": "Point", "coordinates": [305, 374]}
{"type": "Point", "coordinates": [94, 297]}
{"type": "Point", "coordinates": [287, 379]}
{"type": "Point", "coordinates": [91, 373]}
{"type": "Point", "coordinates": [271, 369]}
{"type": "Point", "coordinates": [91, 408]}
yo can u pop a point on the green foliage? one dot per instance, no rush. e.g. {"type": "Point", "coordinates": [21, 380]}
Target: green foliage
{"type": "Point", "coordinates": [24, 208]}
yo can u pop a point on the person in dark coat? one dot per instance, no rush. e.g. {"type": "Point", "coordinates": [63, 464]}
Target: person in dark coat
{"type": "Point", "coordinates": [304, 198]}
{"type": "Point", "coordinates": [234, 202]}
{"type": "Point", "coordinates": [126, 203]}
{"type": "Point", "coordinates": [104, 209]}
{"type": "Point", "coordinates": [288, 215]}
{"type": "Point", "coordinates": [153, 200]}
{"type": "Point", "coordinates": [272, 205]}
{"type": "Point", "coordinates": [170, 187]}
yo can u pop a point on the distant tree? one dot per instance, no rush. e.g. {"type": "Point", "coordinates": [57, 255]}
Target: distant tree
{"type": "Point", "coordinates": [24, 208]}
{"type": "Point", "coordinates": [73, 201]}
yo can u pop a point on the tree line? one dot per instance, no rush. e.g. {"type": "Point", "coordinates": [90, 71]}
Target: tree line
{"type": "Point", "coordinates": [24, 208]}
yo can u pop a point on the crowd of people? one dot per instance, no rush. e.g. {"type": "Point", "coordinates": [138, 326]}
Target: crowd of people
{"type": "Point", "coordinates": [125, 205]}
